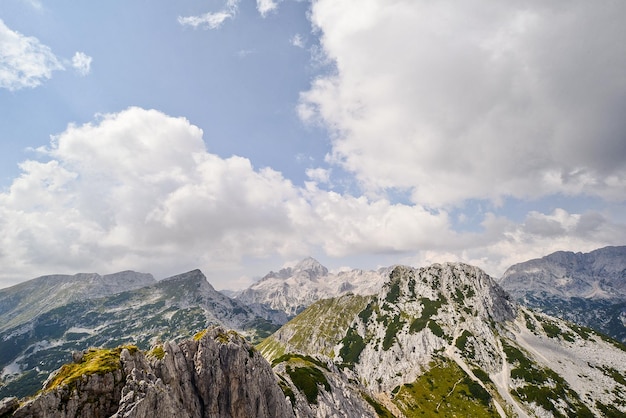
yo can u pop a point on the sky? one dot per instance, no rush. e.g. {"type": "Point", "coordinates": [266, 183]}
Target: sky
{"type": "Point", "coordinates": [240, 136]}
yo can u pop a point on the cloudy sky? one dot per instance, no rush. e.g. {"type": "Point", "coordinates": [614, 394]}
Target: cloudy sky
{"type": "Point", "coordinates": [238, 136]}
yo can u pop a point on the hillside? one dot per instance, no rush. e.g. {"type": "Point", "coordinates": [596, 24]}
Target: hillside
{"type": "Point", "coordinates": [446, 339]}
{"type": "Point", "coordinates": [25, 301]}
{"type": "Point", "coordinates": [586, 288]}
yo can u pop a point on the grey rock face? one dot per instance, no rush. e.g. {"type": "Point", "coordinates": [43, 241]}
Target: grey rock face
{"type": "Point", "coordinates": [600, 274]}
{"type": "Point", "coordinates": [589, 289]}
{"type": "Point", "coordinates": [216, 375]}
{"type": "Point", "coordinates": [8, 405]}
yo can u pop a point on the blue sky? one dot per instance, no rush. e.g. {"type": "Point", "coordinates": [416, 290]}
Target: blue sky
{"type": "Point", "coordinates": [239, 136]}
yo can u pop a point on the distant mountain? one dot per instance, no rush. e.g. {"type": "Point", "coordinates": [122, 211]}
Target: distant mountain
{"type": "Point", "coordinates": [443, 340]}
{"type": "Point", "coordinates": [173, 308]}
{"type": "Point", "coordinates": [25, 301]}
{"type": "Point", "coordinates": [215, 374]}
{"type": "Point", "coordinates": [293, 289]}
{"type": "Point", "coordinates": [589, 289]}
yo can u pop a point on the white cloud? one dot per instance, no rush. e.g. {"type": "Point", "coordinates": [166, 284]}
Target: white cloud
{"type": "Point", "coordinates": [266, 6]}
{"type": "Point", "coordinates": [297, 41]}
{"type": "Point", "coordinates": [478, 100]}
{"type": "Point", "coordinates": [138, 190]}
{"type": "Point", "coordinates": [81, 63]}
{"type": "Point", "coordinates": [24, 61]}
{"type": "Point", "coordinates": [319, 175]}
{"type": "Point", "coordinates": [211, 20]}
{"type": "Point", "coordinates": [208, 20]}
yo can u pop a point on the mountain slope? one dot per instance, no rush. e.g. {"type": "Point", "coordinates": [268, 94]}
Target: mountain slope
{"type": "Point", "coordinates": [293, 289]}
{"type": "Point", "coordinates": [23, 302]}
{"type": "Point", "coordinates": [217, 373]}
{"type": "Point", "coordinates": [447, 340]}
{"type": "Point", "coordinates": [589, 289]}
{"type": "Point", "coordinates": [172, 308]}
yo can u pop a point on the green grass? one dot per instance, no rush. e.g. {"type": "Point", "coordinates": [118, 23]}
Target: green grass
{"type": "Point", "coordinates": [284, 386]}
{"type": "Point", "coordinates": [294, 356]}
{"type": "Point", "coordinates": [430, 308]}
{"type": "Point", "coordinates": [270, 348]}
{"type": "Point", "coordinates": [394, 292]}
{"type": "Point", "coordinates": [381, 411]}
{"type": "Point", "coordinates": [94, 361]}
{"type": "Point", "coordinates": [353, 345]}
{"type": "Point", "coordinates": [543, 387]}
{"type": "Point", "coordinates": [198, 336]}
{"type": "Point", "coordinates": [308, 380]}
{"type": "Point", "coordinates": [392, 330]}
{"type": "Point", "coordinates": [157, 352]}
{"type": "Point", "coordinates": [445, 391]}
{"type": "Point", "coordinates": [319, 328]}
{"type": "Point", "coordinates": [551, 329]}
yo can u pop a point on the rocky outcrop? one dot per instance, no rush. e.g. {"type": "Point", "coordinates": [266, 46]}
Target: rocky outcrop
{"type": "Point", "coordinates": [216, 374]}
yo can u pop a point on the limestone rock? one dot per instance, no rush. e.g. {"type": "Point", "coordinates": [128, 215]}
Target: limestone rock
{"type": "Point", "coordinates": [217, 374]}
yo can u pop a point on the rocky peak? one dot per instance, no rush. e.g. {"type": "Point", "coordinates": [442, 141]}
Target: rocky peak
{"type": "Point", "coordinates": [217, 373]}
{"type": "Point", "coordinates": [599, 274]}
{"type": "Point", "coordinates": [312, 267]}
{"type": "Point", "coordinates": [459, 282]}
{"type": "Point", "coordinates": [419, 313]}
{"type": "Point", "coordinates": [308, 267]}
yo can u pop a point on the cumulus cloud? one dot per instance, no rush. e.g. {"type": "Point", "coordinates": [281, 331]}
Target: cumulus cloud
{"type": "Point", "coordinates": [24, 61]}
{"type": "Point", "coordinates": [82, 63]}
{"type": "Point", "coordinates": [482, 100]}
{"type": "Point", "coordinates": [211, 20]}
{"type": "Point", "coordinates": [139, 190]}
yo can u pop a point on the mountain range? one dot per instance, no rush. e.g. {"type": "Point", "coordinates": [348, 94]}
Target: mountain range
{"type": "Point", "coordinates": [443, 340]}
{"type": "Point", "coordinates": [399, 341]}
{"type": "Point", "coordinates": [292, 289]}
{"type": "Point", "coordinates": [172, 308]}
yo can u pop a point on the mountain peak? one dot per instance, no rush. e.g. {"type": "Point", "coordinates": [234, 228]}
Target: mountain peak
{"type": "Point", "coordinates": [310, 264]}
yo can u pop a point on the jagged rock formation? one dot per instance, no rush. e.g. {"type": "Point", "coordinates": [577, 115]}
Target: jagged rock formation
{"type": "Point", "coordinates": [216, 374]}
{"type": "Point", "coordinates": [589, 289]}
{"type": "Point", "coordinates": [172, 308]}
{"type": "Point", "coordinates": [293, 289]}
{"type": "Point", "coordinates": [446, 339]}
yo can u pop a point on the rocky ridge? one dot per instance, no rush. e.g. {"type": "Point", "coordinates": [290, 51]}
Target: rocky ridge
{"type": "Point", "coordinates": [25, 301]}
{"type": "Point", "coordinates": [447, 339]}
{"type": "Point", "coordinates": [586, 288]}
{"type": "Point", "coordinates": [217, 373]}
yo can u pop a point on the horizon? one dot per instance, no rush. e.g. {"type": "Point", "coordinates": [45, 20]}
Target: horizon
{"type": "Point", "coordinates": [258, 278]}
{"type": "Point", "coordinates": [238, 136]}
